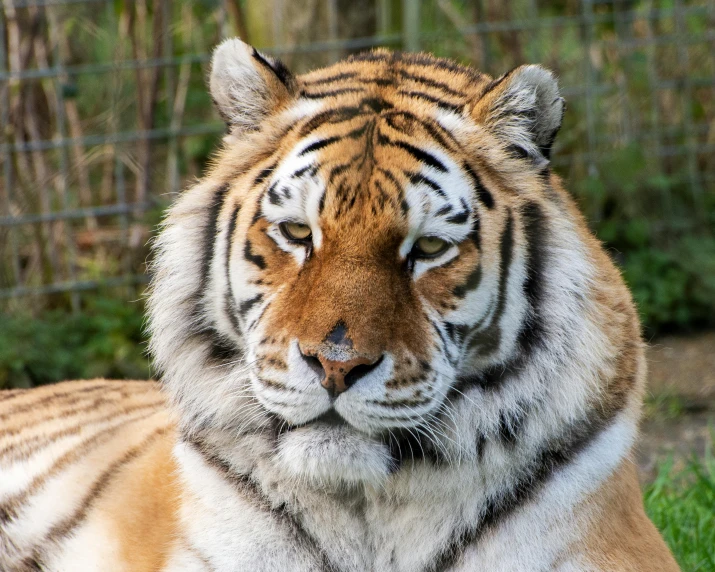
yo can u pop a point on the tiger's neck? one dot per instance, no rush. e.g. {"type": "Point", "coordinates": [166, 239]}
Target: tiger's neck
{"type": "Point", "coordinates": [423, 517]}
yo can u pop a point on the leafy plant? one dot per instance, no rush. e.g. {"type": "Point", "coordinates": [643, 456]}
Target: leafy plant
{"type": "Point", "coordinates": [105, 339]}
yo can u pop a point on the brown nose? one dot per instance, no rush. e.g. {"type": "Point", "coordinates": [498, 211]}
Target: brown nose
{"type": "Point", "coordinates": [338, 363]}
{"type": "Point", "coordinates": [338, 376]}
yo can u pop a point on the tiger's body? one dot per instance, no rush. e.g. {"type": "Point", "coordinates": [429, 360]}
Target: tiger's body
{"type": "Point", "coordinates": [386, 341]}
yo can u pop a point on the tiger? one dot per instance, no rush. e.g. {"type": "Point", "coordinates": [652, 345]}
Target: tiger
{"type": "Point", "coordinates": [384, 340]}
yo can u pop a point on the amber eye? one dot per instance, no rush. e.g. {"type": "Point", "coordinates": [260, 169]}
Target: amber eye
{"type": "Point", "coordinates": [295, 231]}
{"type": "Point", "coordinates": [429, 247]}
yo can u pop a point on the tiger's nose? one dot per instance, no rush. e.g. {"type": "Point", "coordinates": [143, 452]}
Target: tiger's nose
{"type": "Point", "coordinates": [337, 376]}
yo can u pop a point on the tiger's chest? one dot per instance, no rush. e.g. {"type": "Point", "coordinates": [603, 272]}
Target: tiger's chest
{"type": "Point", "coordinates": [375, 531]}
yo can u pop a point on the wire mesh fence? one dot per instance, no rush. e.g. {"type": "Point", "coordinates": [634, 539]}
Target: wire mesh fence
{"type": "Point", "coordinates": [105, 116]}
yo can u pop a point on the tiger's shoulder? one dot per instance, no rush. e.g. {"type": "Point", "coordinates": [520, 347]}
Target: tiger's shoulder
{"type": "Point", "coordinates": [82, 461]}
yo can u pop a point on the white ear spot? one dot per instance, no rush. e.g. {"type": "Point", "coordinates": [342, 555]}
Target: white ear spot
{"type": "Point", "coordinates": [246, 86]}
{"type": "Point", "coordinates": [527, 113]}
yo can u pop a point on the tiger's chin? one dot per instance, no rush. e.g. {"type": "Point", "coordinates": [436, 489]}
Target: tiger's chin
{"type": "Point", "coordinates": [325, 453]}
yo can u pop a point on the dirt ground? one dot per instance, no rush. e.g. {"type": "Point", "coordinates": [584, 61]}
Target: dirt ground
{"type": "Point", "coordinates": [680, 403]}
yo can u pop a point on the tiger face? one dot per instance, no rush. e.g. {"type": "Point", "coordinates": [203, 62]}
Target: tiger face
{"type": "Point", "coordinates": [358, 240]}
{"type": "Point", "coordinates": [372, 232]}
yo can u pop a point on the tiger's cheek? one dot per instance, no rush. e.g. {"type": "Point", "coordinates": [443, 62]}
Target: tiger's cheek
{"type": "Point", "coordinates": [276, 268]}
{"type": "Point", "coordinates": [445, 287]}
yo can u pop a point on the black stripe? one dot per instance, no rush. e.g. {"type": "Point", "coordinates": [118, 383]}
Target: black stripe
{"type": "Point", "coordinates": [337, 171]}
{"type": "Point", "coordinates": [496, 82]}
{"type": "Point", "coordinates": [256, 259]}
{"type": "Point", "coordinates": [209, 238]}
{"type": "Point", "coordinates": [373, 56]}
{"type": "Point", "coordinates": [455, 107]}
{"type": "Point", "coordinates": [459, 218]}
{"type": "Point", "coordinates": [484, 196]}
{"type": "Point", "coordinates": [433, 128]}
{"type": "Point", "coordinates": [273, 197]}
{"type": "Point", "coordinates": [490, 338]}
{"type": "Point", "coordinates": [451, 330]}
{"type": "Point", "coordinates": [332, 116]}
{"type": "Point", "coordinates": [411, 446]}
{"type": "Point", "coordinates": [439, 333]}
{"type": "Point", "coordinates": [49, 437]}
{"type": "Point", "coordinates": [418, 154]}
{"type": "Point", "coordinates": [276, 66]}
{"type": "Point", "coordinates": [64, 528]}
{"type": "Point", "coordinates": [300, 172]}
{"type": "Point", "coordinates": [23, 448]}
{"type": "Point", "coordinates": [74, 395]}
{"type": "Point", "coordinates": [391, 177]}
{"type": "Point", "coordinates": [398, 187]}
{"type": "Point", "coordinates": [535, 234]}
{"type": "Point", "coordinates": [444, 210]}
{"type": "Point", "coordinates": [462, 216]}
{"type": "Point", "coordinates": [230, 302]}
{"type": "Point", "coordinates": [472, 283]}
{"type": "Point", "coordinates": [219, 348]}
{"type": "Point", "coordinates": [443, 64]}
{"type": "Point", "coordinates": [66, 408]}
{"type": "Point", "coordinates": [252, 492]}
{"type": "Point", "coordinates": [331, 93]}
{"type": "Point", "coordinates": [10, 506]}
{"type": "Point", "coordinates": [419, 179]}
{"type": "Point", "coordinates": [331, 78]}
{"type": "Point", "coordinates": [475, 234]}
{"type": "Point", "coordinates": [511, 423]}
{"type": "Point", "coordinates": [246, 306]}
{"type": "Point", "coordinates": [375, 104]}
{"type": "Point", "coordinates": [551, 459]}
{"type": "Point", "coordinates": [263, 175]}
{"type": "Point", "coordinates": [431, 83]}
{"type": "Point", "coordinates": [319, 145]}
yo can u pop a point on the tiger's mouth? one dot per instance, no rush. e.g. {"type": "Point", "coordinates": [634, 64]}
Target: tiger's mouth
{"type": "Point", "coordinates": [331, 418]}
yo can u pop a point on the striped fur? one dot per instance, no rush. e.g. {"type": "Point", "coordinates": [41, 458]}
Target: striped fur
{"type": "Point", "coordinates": [489, 418]}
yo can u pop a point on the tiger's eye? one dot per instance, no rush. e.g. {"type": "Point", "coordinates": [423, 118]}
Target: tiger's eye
{"type": "Point", "coordinates": [431, 246]}
{"type": "Point", "coordinates": [295, 231]}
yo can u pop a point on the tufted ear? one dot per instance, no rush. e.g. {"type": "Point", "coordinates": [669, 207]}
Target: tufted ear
{"type": "Point", "coordinates": [246, 85]}
{"type": "Point", "coordinates": [524, 109]}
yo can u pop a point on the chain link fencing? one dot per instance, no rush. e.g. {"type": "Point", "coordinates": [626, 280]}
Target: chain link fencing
{"type": "Point", "coordinates": [104, 114]}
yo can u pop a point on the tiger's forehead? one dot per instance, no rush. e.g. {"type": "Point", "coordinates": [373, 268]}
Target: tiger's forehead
{"type": "Point", "coordinates": [378, 169]}
{"type": "Point", "coordinates": [372, 144]}
{"type": "Point", "coordinates": [395, 76]}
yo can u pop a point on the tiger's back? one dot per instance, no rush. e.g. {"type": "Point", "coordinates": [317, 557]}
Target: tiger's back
{"type": "Point", "coordinates": [87, 476]}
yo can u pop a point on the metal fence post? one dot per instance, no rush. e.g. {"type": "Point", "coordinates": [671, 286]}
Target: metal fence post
{"type": "Point", "coordinates": [411, 25]}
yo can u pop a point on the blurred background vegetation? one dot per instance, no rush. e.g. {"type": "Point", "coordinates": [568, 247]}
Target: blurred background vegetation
{"type": "Point", "coordinates": [105, 117]}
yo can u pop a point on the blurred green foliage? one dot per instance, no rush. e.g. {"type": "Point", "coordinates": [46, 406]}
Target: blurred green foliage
{"type": "Point", "coordinates": [104, 340]}
{"type": "Point", "coordinates": [662, 241]}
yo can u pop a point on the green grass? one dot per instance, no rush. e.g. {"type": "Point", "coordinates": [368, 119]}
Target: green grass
{"type": "Point", "coordinates": [681, 503]}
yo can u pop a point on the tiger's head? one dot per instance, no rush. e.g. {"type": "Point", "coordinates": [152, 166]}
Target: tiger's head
{"type": "Point", "coordinates": [372, 255]}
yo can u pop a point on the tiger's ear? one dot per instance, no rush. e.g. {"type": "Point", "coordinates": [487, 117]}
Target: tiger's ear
{"type": "Point", "coordinates": [247, 86]}
{"type": "Point", "coordinates": [524, 109]}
